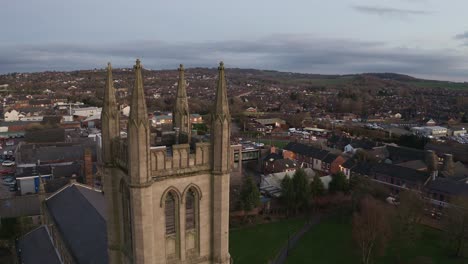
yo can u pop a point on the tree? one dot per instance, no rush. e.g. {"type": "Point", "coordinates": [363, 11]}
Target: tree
{"type": "Point", "coordinates": [371, 229]}
{"type": "Point", "coordinates": [361, 187]}
{"type": "Point", "coordinates": [408, 216]}
{"type": "Point", "coordinates": [316, 187]}
{"type": "Point", "coordinates": [339, 183]}
{"type": "Point", "coordinates": [287, 193]}
{"type": "Point", "coordinates": [301, 189]}
{"type": "Point", "coordinates": [250, 195]}
{"type": "Point", "coordinates": [456, 224]}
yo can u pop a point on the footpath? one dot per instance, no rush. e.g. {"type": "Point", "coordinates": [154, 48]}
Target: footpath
{"type": "Point", "coordinates": [292, 241]}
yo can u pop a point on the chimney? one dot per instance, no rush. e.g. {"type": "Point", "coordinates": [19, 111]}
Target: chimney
{"type": "Point", "coordinates": [431, 161]}
{"type": "Point", "coordinates": [88, 167]}
{"type": "Point", "coordinates": [448, 165]}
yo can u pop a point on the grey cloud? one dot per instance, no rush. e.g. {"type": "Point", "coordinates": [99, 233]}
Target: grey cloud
{"type": "Point", "coordinates": [388, 11]}
{"type": "Point", "coordinates": [299, 53]}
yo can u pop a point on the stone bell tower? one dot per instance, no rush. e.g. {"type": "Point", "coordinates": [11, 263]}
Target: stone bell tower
{"type": "Point", "coordinates": [166, 203]}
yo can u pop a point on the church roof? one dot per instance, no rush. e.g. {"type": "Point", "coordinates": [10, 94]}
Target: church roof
{"type": "Point", "coordinates": [85, 237]}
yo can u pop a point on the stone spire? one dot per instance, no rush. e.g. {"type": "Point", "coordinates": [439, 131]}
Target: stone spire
{"type": "Point", "coordinates": [109, 118]}
{"type": "Point", "coordinates": [221, 104]}
{"type": "Point", "coordinates": [221, 126]}
{"type": "Point", "coordinates": [221, 152]}
{"type": "Point", "coordinates": [138, 132]}
{"type": "Point", "coordinates": [181, 115]}
{"type": "Point", "coordinates": [138, 112]}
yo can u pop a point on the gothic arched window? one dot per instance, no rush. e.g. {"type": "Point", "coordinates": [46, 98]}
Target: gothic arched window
{"type": "Point", "coordinates": [170, 211]}
{"type": "Point", "coordinates": [190, 209]}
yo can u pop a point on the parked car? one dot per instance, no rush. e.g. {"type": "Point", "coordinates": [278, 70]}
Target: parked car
{"type": "Point", "coordinates": [10, 143]}
{"type": "Point", "coordinates": [12, 188]}
{"type": "Point", "coordinates": [9, 181]}
{"type": "Point", "coordinates": [8, 163]}
{"type": "Point", "coordinates": [9, 177]}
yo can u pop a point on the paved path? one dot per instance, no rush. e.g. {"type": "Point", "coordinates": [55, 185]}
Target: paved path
{"type": "Point", "coordinates": [283, 254]}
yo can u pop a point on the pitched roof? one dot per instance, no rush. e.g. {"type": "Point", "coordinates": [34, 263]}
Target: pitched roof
{"type": "Point", "coordinates": [398, 153]}
{"type": "Point", "coordinates": [85, 237]}
{"type": "Point", "coordinates": [330, 158]}
{"type": "Point", "coordinates": [400, 172]}
{"type": "Point", "coordinates": [349, 163]}
{"type": "Point", "coordinates": [272, 157]}
{"type": "Point", "coordinates": [36, 247]}
{"type": "Point", "coordinates": [306, 150]}
{"type": "Point", "coordinates": [413, 164]}
{"type": "Point", "coordinates": [448, 186]}
{"type": "Point", "coordinates": [362, 168]}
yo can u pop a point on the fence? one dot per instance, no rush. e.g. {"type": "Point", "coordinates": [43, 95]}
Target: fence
{"type": "Point", "coordinates": [19, 206]}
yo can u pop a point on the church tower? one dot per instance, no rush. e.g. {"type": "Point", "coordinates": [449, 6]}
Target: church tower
{"type": "Point", "coordinates": [220, 133]}
{"type": "Point", "coordinates": [181, 115]}
{"type": "Point", "coordinates": [168, 204]}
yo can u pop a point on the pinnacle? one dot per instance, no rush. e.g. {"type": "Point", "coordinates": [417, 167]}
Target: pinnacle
{"type": "Point", "coordinates": [138, 64]}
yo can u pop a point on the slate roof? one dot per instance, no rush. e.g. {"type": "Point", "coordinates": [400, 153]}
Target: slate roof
{"type": "Point", "coordinates": [330, 158]}
{"type": "Point", "coordinates": [349, 163]}
{"type": "Point", "coordinates": [282, 164]}
{"type": "Point", "coordinates": [36, 247]}
{"type": "Point", "coordinates": [31, 171]}
{"type": "Point", "coordinates": [362, 168]}
{"type": "Point", "coordinates": [67, 170]}
{"type": "Point", "coordinates": [403, 154]}
{"type": "Point", "coordinates": [31, 154]}
{"type": "Point", "coordinates": [448, 186]}
{"type": "Point", "coordinates": [272, 157]}
{"type": "Point", "coordinates": [306, 150]}
{"type": "Point", "coordinates": [400, 172]}
{"type": "Point", "coordinates": [85, 237]}
{"type": "Point", "coordinates": [414, 164]}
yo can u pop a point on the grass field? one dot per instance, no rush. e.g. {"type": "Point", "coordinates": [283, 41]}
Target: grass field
{"type": "Point", "coordinates": [278, 144]}
{"type": "Point", "coordinates": [439, 84]}
{"type": "Point", "coordinates": [260, 243]}
{"type": "Point", "coordinates": [331, 242]}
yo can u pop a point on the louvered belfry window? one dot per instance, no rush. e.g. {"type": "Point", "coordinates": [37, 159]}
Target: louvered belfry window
{"type": "Point", "coordinates": [190, 210]}
{"type": "Point", "coordinates": [170, 214]}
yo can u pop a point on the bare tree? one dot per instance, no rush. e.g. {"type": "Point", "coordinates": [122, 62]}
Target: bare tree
{"type": "Point", "coordinates": [371, 228]}
{"type": "Point", "coordinates": [408, 216]}
{"type": "Point", "coordinates": [456, 224]}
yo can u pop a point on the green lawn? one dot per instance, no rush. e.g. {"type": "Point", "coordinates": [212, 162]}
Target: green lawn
{"type": "Point", "coordinates": [331, 242]}
{"type": "Point", "coordinates": [438, 84]}
{"type": "Point", "coordinates": [276, 143]}
{"type": "Point", "coordinates": [260, 243]}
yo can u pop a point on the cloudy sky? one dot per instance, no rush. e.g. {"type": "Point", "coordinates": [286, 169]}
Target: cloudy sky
{"type": "Point", "coordinates": [425, 38]}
